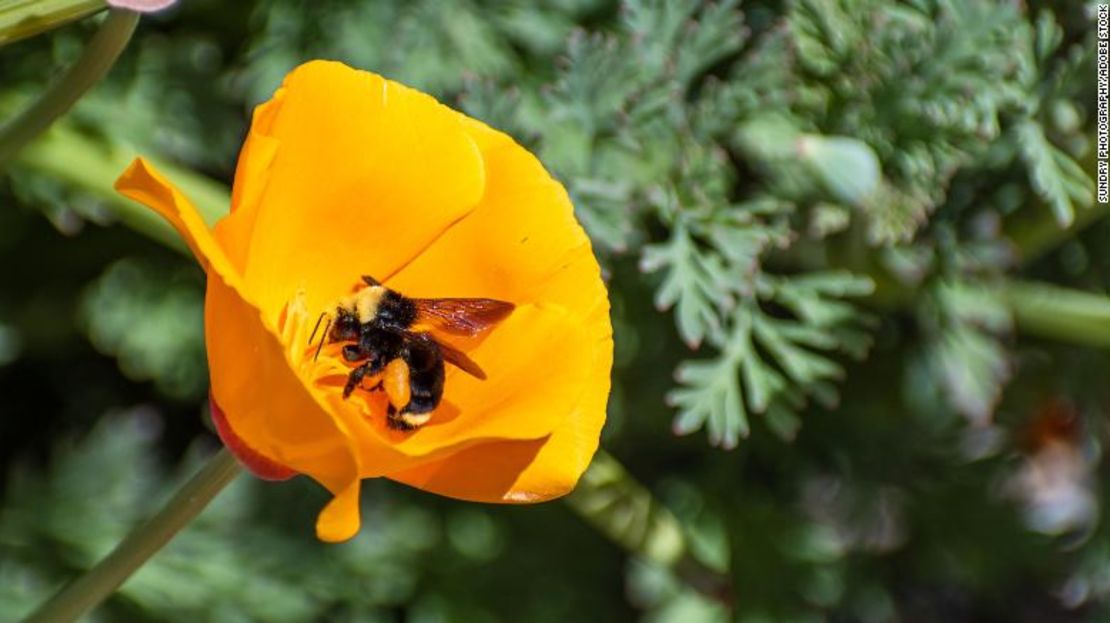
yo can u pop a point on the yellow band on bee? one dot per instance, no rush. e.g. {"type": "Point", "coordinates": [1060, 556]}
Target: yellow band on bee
{"type": "Point", "coordinates": [364, 303]}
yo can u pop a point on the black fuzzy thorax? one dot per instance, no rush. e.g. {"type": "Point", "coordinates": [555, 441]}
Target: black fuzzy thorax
{"type": "Point", "coordinates": [395, 312]}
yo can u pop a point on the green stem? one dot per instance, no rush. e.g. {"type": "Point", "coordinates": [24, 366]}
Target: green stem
{"type": "Point", "coordinates": [1063, 314]}
{"type": "Point", "coordinates": [611, 500]}
{"type": "Point", "coordinates": [98, 57]}
{"type": "Point", "coordinates": [85, 593]}
{"type": "Point", "coordinates": [1035, 233]}
{"type": "Point", "coordinates": [1034, 230]}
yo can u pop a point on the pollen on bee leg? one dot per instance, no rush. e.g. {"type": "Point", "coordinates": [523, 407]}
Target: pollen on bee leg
{"type": "Point", "coordinates": [395, 382]}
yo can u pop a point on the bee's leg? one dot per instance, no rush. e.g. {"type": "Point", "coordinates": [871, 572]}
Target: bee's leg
{"type": "Point", "coordinates": [354, 378]}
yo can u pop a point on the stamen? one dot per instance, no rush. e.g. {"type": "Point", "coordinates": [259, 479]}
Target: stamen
{"type": "Point", "coordinates": [312, 337]}
{"type": "Point", "coordinates": [323, 338]}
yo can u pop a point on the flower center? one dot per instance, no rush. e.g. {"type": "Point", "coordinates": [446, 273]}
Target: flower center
{"type": "Point", "coordinates": [320, 364]}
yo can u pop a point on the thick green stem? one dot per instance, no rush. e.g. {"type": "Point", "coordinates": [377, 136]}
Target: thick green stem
{"type": "Point", "coordinates": [1063, 314]}
{"type": "Point", "coordinates": [1035, 233]}
{"type": "Point", "coordinates": [611, 500]}
{"type": "Point", "coordinates": [97, 58]}
{"type": "Point", "coordinates": [98, 583]}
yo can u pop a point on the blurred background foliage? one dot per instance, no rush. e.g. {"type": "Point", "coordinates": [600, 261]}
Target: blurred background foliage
{"type": "Point", "coordinates": [851, 244]}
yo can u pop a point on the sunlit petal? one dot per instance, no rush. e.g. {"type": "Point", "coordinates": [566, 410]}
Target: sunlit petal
{"type": "Point", "coordinates": [357, 175]}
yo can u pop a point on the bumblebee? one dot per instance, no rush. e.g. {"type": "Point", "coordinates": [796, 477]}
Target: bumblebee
{"type": "Point", "coordinates": [376, 326]}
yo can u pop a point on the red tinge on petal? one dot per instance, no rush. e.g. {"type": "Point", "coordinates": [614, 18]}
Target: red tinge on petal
{"type": "Point", "coordinates": [258, 465]}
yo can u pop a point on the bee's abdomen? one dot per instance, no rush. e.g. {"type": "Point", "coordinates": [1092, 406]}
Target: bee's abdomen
{"type": "Point", "coordinates": [426, 372]}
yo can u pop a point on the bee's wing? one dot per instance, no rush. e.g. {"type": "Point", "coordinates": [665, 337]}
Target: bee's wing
{"type": "Point", "coordinates": [462, 316]}
{"type": "Point", "coordinates": [461, 361]}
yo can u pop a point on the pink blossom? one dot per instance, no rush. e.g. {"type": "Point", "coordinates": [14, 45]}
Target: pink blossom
{"type": "Point", "coordinates": [142, 6]}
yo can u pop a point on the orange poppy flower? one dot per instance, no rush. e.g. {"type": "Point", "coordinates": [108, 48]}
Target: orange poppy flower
{"type": "Point", "coordinates": [346, 174]}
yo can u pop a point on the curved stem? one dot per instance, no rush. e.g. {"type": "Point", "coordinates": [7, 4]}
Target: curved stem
{"type": "Point", "coordinates": [86, 592]}
{"type": "Point", "coordinates": [618, 506]}
{"type": "Point", "coordinates": [98, 57]}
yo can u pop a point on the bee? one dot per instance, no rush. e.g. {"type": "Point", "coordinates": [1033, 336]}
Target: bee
{"type": "Point", "coordinates": [377, 324]}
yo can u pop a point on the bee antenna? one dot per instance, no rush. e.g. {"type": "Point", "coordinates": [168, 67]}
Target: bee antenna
{"type": "Point", "coordinates": [312, 337]}
{"type": "Point", "coordinates": [370, 281]}
{"type": "Point", "coordinates": [322, 339]}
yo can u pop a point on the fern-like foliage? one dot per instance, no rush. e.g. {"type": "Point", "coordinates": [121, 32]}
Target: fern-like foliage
{"type": "Point", "coordinates": [96, 490]}
{"type": "Point", "coordinates": [776, 353]}
{"type": "Point", "coordinates": [126, 312]}
{"type": "Point", "coordinates": [643, 143]}
{"type": "Point", "coordinates": [964, 349]}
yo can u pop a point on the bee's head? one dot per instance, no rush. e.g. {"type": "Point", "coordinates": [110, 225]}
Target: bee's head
{"type": "Point", "coordinates": [345, 327]}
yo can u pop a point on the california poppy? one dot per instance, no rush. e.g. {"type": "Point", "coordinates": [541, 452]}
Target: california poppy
{"type": "Point", "coordinates": [343, 174]}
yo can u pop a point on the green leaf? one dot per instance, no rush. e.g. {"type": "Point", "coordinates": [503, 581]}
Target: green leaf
{"type": "Point", "coordinates": [96, 489]}
{"type": "Point", "coordinates": [824, 34]}
{"type": "Point", "coordinates": [709, 396]}
{"type": "Point", "coordinates": [24, 18]}
{"type": "Point", "coordinates": [793, 358]}
{"type": "Point", "coordinates": [681, 36]}
{"type": "Point", "coordinates": [1057, 178]}
{"type": "Point", "coordinates": [606, 211]}
{"type": "Point", "coordinates": [152, 322]}
{"type": "Point", "coordinates": [91, 165]}
{"type": "Point", "coordinates": [964, 350]}
{"type": "Point", "coordinates": [894, 214]}
{"type": "Point", "coordinates": [972, 367]}
{"type": "Point", "coordinates": [1048, 35]}
{"type": "Point", "coordinates": [695, 283]}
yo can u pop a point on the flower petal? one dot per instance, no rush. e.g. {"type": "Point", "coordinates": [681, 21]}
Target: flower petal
{"type": "Point", "coordinates": [255, 462]}
{"type": "Point", "coordinates": [252, 174]}
{"type": "Point", "coordinates": [266, 404]}
{"type": "Point", "coordinates": [525, 471]}
{"type": "Point", "coordinates": [142, 6]}
{"type": "Point", "coordinates": [485, 472]}
{"type": "Point", "coordinates": [535, 366]}
{"type": "Point", "coordinates": [340, 520]}
{"type": "Point", "coordinates": [366, 173]}
{"type": "Point", "coordinates": [521, 244]}
{"type": "Point", "coordinates": [142, 183]}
